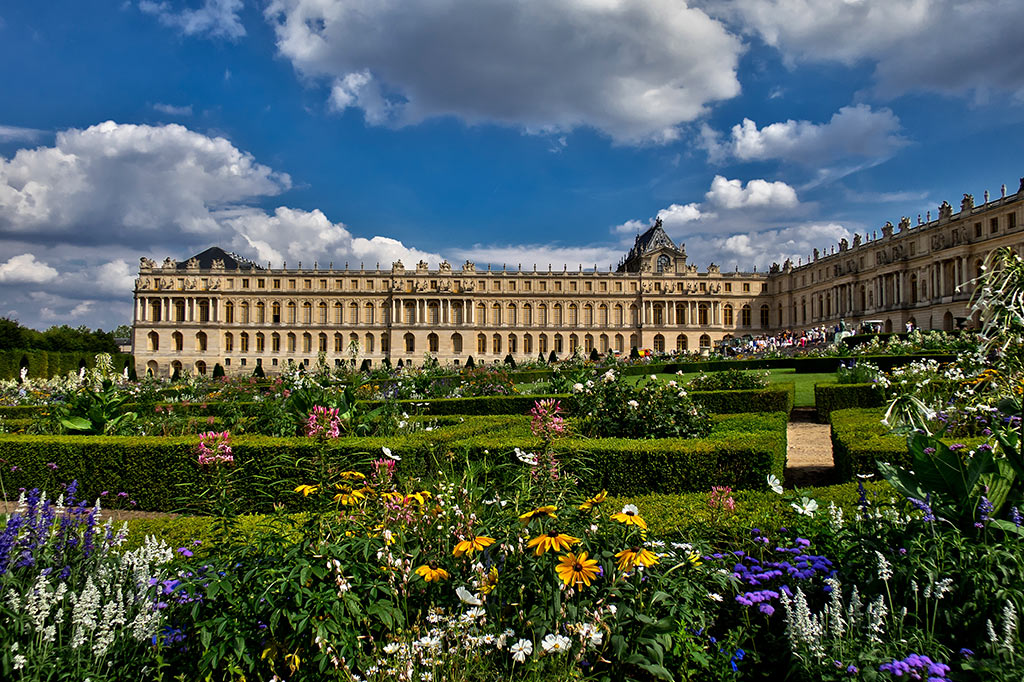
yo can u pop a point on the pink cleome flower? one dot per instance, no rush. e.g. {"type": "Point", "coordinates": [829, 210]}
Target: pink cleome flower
{"type": "Point", "coordinates": [323, 422]}
{"type": "Point", "coordinates": [215, 448]}
{"type": "Point", "coordinates": [546, 420]}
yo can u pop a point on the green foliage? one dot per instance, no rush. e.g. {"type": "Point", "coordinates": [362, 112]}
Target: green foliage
{"type": "Point", "coordinates": [731, 379]}
{"type": "Point", "coordinates": [777, 398]}
{"type": "Point", "coordinates": [609, 407]}
{"type": "Point", "coordinates": [218, 371]}
{"type": "Point", "coordinates": [95, 411]}
{"type": "Point", "coordinates": [860, 439]}
{"type": "Point", "coordinates": [830, 397]}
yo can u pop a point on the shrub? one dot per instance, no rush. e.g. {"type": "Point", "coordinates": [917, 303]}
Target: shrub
{"type": "Point", "coordinates": [609, 407]}
{"type": "Point", "coordinates": [829, 397]}
{"type": "Point", "coordinates": [730, 379]}
{"type": "Point", "coordinates": [778, 398]}
{"type": "Point", "coordinates": [860, 439]}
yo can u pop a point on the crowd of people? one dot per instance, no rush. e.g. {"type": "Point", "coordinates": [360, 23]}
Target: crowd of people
{"type": "Point", "coordinates": [815, 336]}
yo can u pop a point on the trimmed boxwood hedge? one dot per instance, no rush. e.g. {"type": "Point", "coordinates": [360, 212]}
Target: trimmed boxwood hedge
{"type": "Point", "coordinates": [160, 474]}
{"type": "Point", "coordinates": [43, 364]}
{"type": "Point", "coordinates": [859, 439]}
{"type": "Point", "coordinates": [682, 516]}
{"type": "Point", "coordinates": [831, 396]}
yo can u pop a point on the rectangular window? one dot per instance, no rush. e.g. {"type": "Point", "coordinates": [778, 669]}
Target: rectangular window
{"type": "Point", "coordinates": [291, 284]}
{"type": "Point", "coordinates": [746, 287]}
{"type": "Point", "coordinates": [433, 284]}
{"type": "Point", "coordinates": [588, 286]}
{"type": "Point", "coordinates": [543, 286]}
{"type": "Point", "coordinates": [323, 284]}
{"type": "Point", "coordinates": [728, 287]}
{"type": "Point", "coordinates": [993, 225]}
{"type": "Point", "coordinates": [353, 284]}
{"type": "Point", "coordinates": [618, 286]}
{"type": "Point", "coordinates": [230, 283]}
{"type": "Point", "coordinates": [277, 284]}
{"type": "Point", "coordinates": [511, 286]}
{"type": "Point", "coordinates": [261, 283]}
{"type": "Point", "coordinates": [369, 285]}
{"type": "Point", "coordinates": [977, 229]}
{"type": "Point", "coordinates": [245, 282]}
{"type": "Point", "coordinates": [558, 286]}
{"type": "Point", "coordinates": [572, 286]}
{"type": "Point", "coordinates": [1011, 221]}
{"type": "Point", "coordinates": [307, 284]}
{"type": "Point", "coordinates": [527, 286]}
{"type": "Point", "coordinates": [496, 286]}
{"type": "Point", "coordinates": [604, 286]}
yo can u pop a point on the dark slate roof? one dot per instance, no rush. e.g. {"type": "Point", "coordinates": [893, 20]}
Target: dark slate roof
{"type": "Point", "coordinates": [232, 261]}
{"type": "Point", "coordinates": [653, 238]}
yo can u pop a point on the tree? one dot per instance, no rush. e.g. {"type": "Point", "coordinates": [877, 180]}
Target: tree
{"type": "Point", "coordinates": [634, 354]}
{"type": "Point", "coordinates": [365, 367]}
{"type": "Point", "coordinates": [510, 361]}
{"type": "Point", "coordinates": [218, 371]}
{"type": "Point", "coordinates": [400, 364]}
{"type": "Point", "coordinates": [257, 372]}
{"type": "Point", "coordinates": [470, 363]}
{"type": "Point", "coordinates": [594, 357]}
{"type": "Point", "coordinates": [540, 357]}
{"type": "Point", "coordinates": [552, 357]}
{"type": "Point", "coordinates": [12, 334]}
{"type": "Point", "coordinates": [176, 375]}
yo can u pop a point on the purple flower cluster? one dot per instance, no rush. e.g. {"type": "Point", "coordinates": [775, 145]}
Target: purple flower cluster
{"type": "Point", "coordinates": [37, 535]}
{"type": "Point", "coordinates": [771, 577]}
{"type": "Point", "coordinates": [917, 667]}
{"type": "Point", "coordinates": [924, 506]}
{"type": "Point", "coordinates": [215, 448]}
{"type": "Point", "coordinates": [984, 509]}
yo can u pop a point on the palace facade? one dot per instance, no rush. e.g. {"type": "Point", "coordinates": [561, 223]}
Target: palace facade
{"type": "Point", "coordinates": [218, 307]}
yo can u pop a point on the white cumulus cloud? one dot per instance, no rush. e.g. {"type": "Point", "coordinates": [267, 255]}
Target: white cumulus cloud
{"type": "Point", "coordinates": [732, 194]}
{"type": "Point", "coordinates": [633, 69]}
{"type": "Point", "coordinates": [19, 134]}
{"type": "Point", "coordinates": [25, 269]}
{"type": "Point", "coordinates": [172, 110]}
{"type": "Point", "coordinates": [854, 131]}
{"type": "Point", "coordinates": [945, 46]}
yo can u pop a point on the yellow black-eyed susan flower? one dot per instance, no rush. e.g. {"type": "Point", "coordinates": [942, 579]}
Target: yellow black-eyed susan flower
{"type": "Point", "coordinates": [551, 540]}
{"type": "Point", "coordinates": [547, 511]}
{"type": "Point", "coordinates": [474, 543]}
{"type": "Point", "coordinates": [307, 490]}
{"type": "Point", "coordinates": [628, 559]}
{"type": "Point", "coordinates": [592, 502]}
{"type": "Point", "coordinates": [574, 569]}
{"type": "Point", "coordinates": [432, 572]}
{"type": "Point", "coordinates": [630, 516]}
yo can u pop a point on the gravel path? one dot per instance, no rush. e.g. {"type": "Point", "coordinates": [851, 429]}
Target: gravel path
{"type": "Point", "coordinates": [809, 455]}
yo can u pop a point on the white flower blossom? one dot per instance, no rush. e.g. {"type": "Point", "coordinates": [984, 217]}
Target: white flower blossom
{"type": "Point", "coordinates": [521, 650]}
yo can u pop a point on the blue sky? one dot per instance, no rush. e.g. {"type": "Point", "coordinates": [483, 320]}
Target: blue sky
{"type": "Point", "coordinates": [500, 131]}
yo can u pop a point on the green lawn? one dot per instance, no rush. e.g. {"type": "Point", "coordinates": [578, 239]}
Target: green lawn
{"type": "Point", "coordinates": [804, 383]}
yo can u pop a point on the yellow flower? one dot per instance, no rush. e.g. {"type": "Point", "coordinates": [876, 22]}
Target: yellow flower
{"type": "Point", "coordinates": [552, 540]}
{"type": "Point", "coordinates": [490, 581]}
{"type": "Point", "coordinates": [431, 573]}
{"type": "Point", "coordinates": [293, 661]}
{"type": "Point", "coordinates": [635, 556]}
{"type": "Point", "coordinates": [352, 476]}
{"type": "Point", "coordinates": [307, 490]}
{"type": "Point", "coordinates": [594, 501]}
{"type": "Point", "coordinates": [630, 517]}
{"type": "Point", "coordinates": [575, 569]}
{"type": "Point", "coordinates": [474, 543]}
{"type": "Point", "coordinates": [540, 512]}
{"type": "Point", "coordinates": [694, 559]}
{"type": "Point", "coordinates": [349, 497]}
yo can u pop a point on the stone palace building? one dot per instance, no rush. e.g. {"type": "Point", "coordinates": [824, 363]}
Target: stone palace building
{"type": "Point", "coordinates": [218, 307]}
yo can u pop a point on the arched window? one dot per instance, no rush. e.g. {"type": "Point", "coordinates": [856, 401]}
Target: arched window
{"type": "Point", "coordinates": [681, 313]}
{"type": "Point", "coordinates": [727, 318]}
{"type": "Point", "coordinates": [702, 314]}
{"type": "Point", "coordinates": [179, 341]}
{"type": "Point", "coordinates": [155, 310]}
{"type": "Point", "coordinates": [659, 341]}
{"type": "Point", "coordinates": [368, 313]}
{"type": "Point", "coordinates": [260, 342]}
{"type": "Point", "coordinates": [275, 343]}
{"type": "Point", "coordinates": [542, 343]}
{"type": "Point", "coordinates": [154, 341]}
{"type": "Point", "coordinates": [705, 342]}
{"type": "Point", "coordinates": [201, 368]}
{"type": "Point", "coordinates": [307, 343]}
{"type": "Point", "coordinates": [556, 313]}
{"type": "Point", "coordinates": [432, 342]}
{"type": "Point", "coordinates": [179, 311]}
{"type": "Point", "coordinates": [229, 312]}
{"type": "Point", "coordinates": [368, 341]}
{"type": "Point", "coordinates": [480, 314]}
{"type": "Point", "coordinates": [527, 344]}
{"type": "Point", "coordinates": [574, 319]}
{"type": "Point", "coordinates": [588, 343]}
{"type": "Point", "coordinates": [557, 347]}
{"type": "Point", "coordinates": [496, 314]}
{"type": "Point", "coordinates": [291, 342]}
{"type": "Point", "coordinates": [243, 310]}
{"type": "Point", "coordinates": [229, 343]}
{"type": "Point", "coordinates": [481, 344]}
{"type": "Point", "coordinates": [322, 342]}
{"type": "Point", "coordinates": [542, 314]}
{"type": "Point", "coordinates": [588, 315]}
{"type": "Point", "coordinates": [456, 344]}
{"type": "Point", "coordinates": [620, 343]}
{"type": "Point", "coordinates": [321, 313]}
{"type": "Point", "coordinates": [275, 313]}
{"type": "Point", "coordinates": [496, 344]}
{"type": "Point", "coordinates": [353, 313]}
{"type": "Point", "coordinates": [339, 313]}
{"type": "Point", "coordinates": [201, 342]}
{"type": "Point", "coordinates": [527, 314]}
{"type": "Point", "coordinates": [410, 343]}
{"type": "Point", "coordinates": [618, 315]}
{"type": "Point", "coordinates": [433, 314]}
{"type": "Point", "coordinates": [291, 312]}
{"type": "Point", "coordinates": [764, 316]}
{"type": "Point", "coordinates": [745, 315]}
{"type": "Point", "coordinates": [574, 343]}
{"type": "Point", "coordinates": [664, 263]}
{"type": "Point", "coordinates": [681, 342]}
{"type": "Point", "coordinates": [602, 315]}
{"type": "Point", "coordinates": [204, 310]}
{"type": "Point", "coordinates": [659, 314]}
{"type": "Point", "coordinates": [339, 342]}
{"type": "Point", "coordinates": [261, 313]}
{"type": "Point", "coordinates": [243, 343]}
{"type": "Point", "coordinates": [513, 343]}
{"type": "Point", "coordinates": [307, 313]}
{"type": "Point", "coordinates": [510, 317]}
